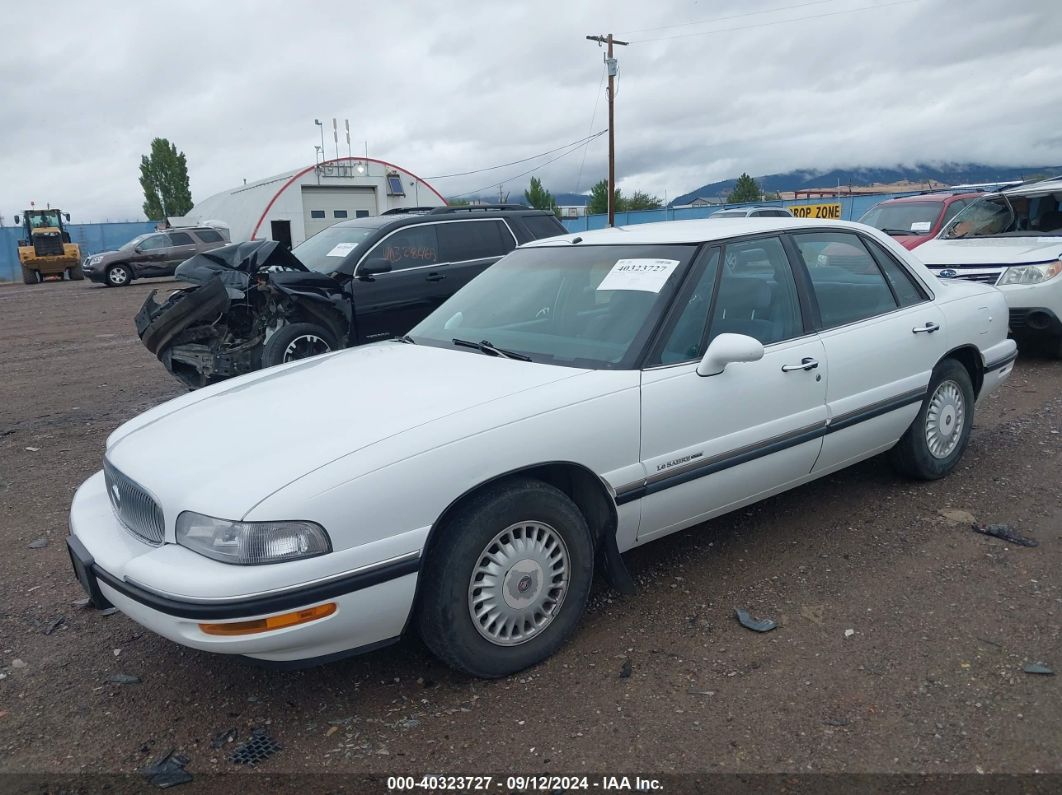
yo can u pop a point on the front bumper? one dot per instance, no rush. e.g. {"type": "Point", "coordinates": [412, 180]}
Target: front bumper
{"type": "Point", "coordinates": [372, 602]}
{"type": "Point", "coordinates": [1035, 309]}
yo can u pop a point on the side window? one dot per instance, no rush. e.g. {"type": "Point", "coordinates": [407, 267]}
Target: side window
{"type": "Point", "coordinates": [904, 287]}
{"type": "Point", "coordinates": [410, 247]}
{"type": "Point", "coordinates": [467, 240]}
{"type": "Point", "coordinates": [757, 293]}
{"type": "Point", "coordinates": [208, 235]}
{"type": "Point", "coordinates": [153, 243]}
{"type": "Point", "coordinates": [543, 226]}
{"type": "Point", "coordinates": [181, 239]}
{"type": "Point", "coordinates": [682, 342]}
{"type": "Point", "coordinates": [847, 281]}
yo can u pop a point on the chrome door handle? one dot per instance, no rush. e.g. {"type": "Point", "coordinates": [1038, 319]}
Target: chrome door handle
{"type": "Point", "coordinates": [434, 277]}
{"type": "Point", "coordinates": [928, 328]}
{"type": "Point", "coordinates": [807, 363]}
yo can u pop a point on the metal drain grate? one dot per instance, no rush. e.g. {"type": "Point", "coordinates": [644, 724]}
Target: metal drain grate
{"type": "Point", "coordinates": [260, 746]}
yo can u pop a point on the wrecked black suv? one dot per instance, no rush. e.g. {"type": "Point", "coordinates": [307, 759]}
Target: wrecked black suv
{"type": "Point", "coordinates": [257, 305]}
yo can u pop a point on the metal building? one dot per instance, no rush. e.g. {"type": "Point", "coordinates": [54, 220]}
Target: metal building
{"type": "Point", "coordinates": [293, 206]}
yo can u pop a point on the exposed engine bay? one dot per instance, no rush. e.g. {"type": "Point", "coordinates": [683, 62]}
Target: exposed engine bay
{"type": "Point", "coordinates": [244, 294]}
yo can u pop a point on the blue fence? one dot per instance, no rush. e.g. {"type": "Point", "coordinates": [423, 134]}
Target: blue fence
{"type": "Point", "coordinates": [852, 209]}
{"type": "Point", "coordinates": [92, 238]}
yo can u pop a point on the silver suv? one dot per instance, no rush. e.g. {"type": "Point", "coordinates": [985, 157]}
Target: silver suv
{"type": "Point", "coordinates": [753, 212]}
{"type": "Point", "coordinates": [153, 254]}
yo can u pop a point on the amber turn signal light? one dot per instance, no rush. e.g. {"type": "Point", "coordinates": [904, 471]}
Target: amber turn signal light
{"type": "Point", "coordinates": [270, 623]}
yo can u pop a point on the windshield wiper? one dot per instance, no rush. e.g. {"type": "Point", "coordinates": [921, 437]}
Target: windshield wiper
{"type": "Point", "coordinates": [899, 232]}
{"type": "Point", "coordinates": [487, 348]}
{"type": "Point", "coordinates": [407, 338]}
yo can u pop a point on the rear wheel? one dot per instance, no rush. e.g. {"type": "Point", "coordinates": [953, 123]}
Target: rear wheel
{"type": "Point", "coordinates": [118, 276]}
{"type": "Point", "coordinates": [937, 438]}
{"type": "Point", "coordinates": [75, 274]}
{"type": "Point", "coordinates": [508, 579]}
{"type": "Point", "coordinates": [30, 276]}
{"type": "Point", "coordinates": [297, 341]}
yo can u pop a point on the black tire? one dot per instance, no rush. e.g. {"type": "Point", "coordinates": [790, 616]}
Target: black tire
{"type": "Point", "coordinates": [119, 275]}
{"type": "Point", "coordinates": [297, 341]}
{"type": "Point", "coordinates": [913, 455]}
{"type": "Point", "coordinates": [444, 616]}
{"type": "Point", "coordinates": [30, 276]}
{"type": "Point", "coordinates": [75, 274]}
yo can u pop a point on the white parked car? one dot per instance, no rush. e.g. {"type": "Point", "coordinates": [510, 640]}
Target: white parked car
{"type": "Point", "coordinates": [584, 395]}
{"type": "Point", "coordinates": [1013, 240]}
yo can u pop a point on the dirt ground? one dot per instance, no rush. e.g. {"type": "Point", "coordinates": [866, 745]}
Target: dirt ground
{"type": "Point", "coordinates": [901, 644]}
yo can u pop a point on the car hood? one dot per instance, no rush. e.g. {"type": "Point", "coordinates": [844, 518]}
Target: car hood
{"type": "Point", "coordinates": [990, 251]}
{"type": "Point", "coordinates": [223, 449]}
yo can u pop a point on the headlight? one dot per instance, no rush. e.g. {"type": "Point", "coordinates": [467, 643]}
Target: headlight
{"type": "Point", "coordinates": [251, 543]}
{"type": "Point", "coordinates": [1030, 274]}
{"type": "Point", "coordinates": [94, 260]}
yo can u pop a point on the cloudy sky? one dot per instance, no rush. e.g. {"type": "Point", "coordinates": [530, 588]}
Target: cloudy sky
{"type": "Point", "coordinates": [707, 89]}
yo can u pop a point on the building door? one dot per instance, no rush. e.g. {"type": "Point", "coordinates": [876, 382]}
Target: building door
{"type": "Point", "coordinates": [324, 205]}
{"type": "Point", "coordinates": [281, 232]}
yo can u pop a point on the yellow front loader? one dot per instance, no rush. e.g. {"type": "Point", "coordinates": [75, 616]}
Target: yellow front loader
{"type": "Point", "coordinates": [46, 249]}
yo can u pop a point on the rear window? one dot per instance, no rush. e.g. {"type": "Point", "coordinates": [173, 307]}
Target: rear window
{"type": "Point", "coordinates": [469, 240]}
{"type": "Point", "coordinates": [543, 225]}
{"type": "Point", "coordinates": [208, 236]}
{"type": "Point", "coordinates": [181, 239]}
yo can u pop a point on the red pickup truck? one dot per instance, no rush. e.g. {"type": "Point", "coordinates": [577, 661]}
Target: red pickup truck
{"type": "Point", "coordinates": [913, 220]}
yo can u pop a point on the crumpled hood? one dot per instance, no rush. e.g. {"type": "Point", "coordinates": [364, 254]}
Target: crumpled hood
{"type": "Point", "coordinates": [990, 251]}
{"type": "Point", "coordinates": [222, 449]}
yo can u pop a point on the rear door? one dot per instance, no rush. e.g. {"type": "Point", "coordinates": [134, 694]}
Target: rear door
{"type": "Point", "coordinates": [390, 304]}
{"type": "Point", "coordinates": [182, 246]}
{"type": "Point", "coordinates": [712, 443]}
{"type": "Point", "coordinates": [468, 247]}
{"type": "Point", "coordinates": [881, 334]}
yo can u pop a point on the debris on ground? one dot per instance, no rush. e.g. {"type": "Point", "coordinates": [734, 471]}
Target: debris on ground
{"type": "Point", "coordinates": [80, 602]}
{"type": "Point", "coordinates": [1006, 533]}
{"type": "Point", "coordinates": [816, 614]}
{"type": "Point", "coordinates": [33, 449]}
{"type": "Point", "coordinates": [625, 670]}
{"type": "Point", "coordinates": [1038, 668]}
{"type": "Point", "coordinates": [849, 633]}
{"type": "Point", "coordinates": [108, 611]}
{"type": "Point", "coordinates": [223, 738]}
{"type": "Point", "coordinates": [261, 746]}
{"type": "Point", "coordinates": [168, 771]}
{"type": "Point", "coordinates": [38, 543]}
{"type": "Point", "coordinates": [17, 663]}
{"type": "Point", "coordinates": [123, 679]}
{"type": "Point", "coordinates": [755, 624]}
{"type": "Point", "coordinates": [957, 516]}
{"type": "Point", "coordinates": [54, 625]}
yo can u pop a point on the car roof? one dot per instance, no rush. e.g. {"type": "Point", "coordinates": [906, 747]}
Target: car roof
{"type": "Point", "coordinates": [1052, 185]}
{"type": "Point", "coordinates": [702, 230]}
{"type": "Point", "coordinates": [456, 214]}
{"type": "Point", "coordinates": [940, 196]}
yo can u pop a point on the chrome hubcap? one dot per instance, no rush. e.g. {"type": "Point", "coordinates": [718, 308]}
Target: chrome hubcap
{"type": "Point", "coordinates": [945, 419]}
{"type": "Point", "coordinates": [118, 276]}
{"type": "Point", "coordinates": [304, 346]}
{"type": "Point", "coordinates": [518, 583]}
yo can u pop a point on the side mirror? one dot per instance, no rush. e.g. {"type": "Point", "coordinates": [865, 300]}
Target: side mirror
{"type": "Point", "coordinates": [373, 266]}
{"type": "Point", "coordinates": [17, 222]}
{"type": "Point", "coordinates": [67, 217]}
{"type": "Point", "coordinates": [727, 348]}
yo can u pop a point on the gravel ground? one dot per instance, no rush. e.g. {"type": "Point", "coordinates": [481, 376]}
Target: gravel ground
{"type": "Point", "coordinates": [900, 649]}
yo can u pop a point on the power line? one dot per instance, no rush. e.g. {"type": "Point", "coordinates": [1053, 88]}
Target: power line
{"type": "Point", "coordinates": [593, 118]}
{"type": "Point", "coordinates": [777, 22]}
{"type": "Point", "coordinates": [733, 16]}
{"type": "Point", "coordinates": [587, 139]}
{"type": "Point", "coordinates": [571, 148]}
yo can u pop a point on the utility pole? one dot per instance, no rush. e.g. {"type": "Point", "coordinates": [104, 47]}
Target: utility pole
{"type": "Point", "coordinates": [610, 63]}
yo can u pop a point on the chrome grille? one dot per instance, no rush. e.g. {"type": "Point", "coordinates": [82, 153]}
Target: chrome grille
{"type": "Point", "coordinates": [984, 278]}
{"type": "Point", "coordinates": [134, 507]}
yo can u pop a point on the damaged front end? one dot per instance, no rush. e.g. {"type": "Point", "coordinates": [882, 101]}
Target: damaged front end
{"type": "Point", "coordinates": [244, 293]}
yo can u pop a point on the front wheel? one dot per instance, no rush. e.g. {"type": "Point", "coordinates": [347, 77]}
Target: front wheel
{"type": "Point", "coordinates": [118, 276]}
{"type": "Point", "coordinates": [508, 579]}
{"type": "Point", "coordinates": [30, 276]}
{"type": "Point", "coordinates": [297, 341]}
{"type": "Point", "coordinates": [75, 274]}
{"type": "Point", "coordinates": [937, 438]}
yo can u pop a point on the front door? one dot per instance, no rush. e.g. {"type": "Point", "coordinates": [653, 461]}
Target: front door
{"type": "Point", "coordinates": [394, 302]}
{"type": "Point", "coordinates": [151, 256]}
{"type": "Point", "coordinates": [712, 443]}
{"type": "Point", "coordinates": [882, 336]}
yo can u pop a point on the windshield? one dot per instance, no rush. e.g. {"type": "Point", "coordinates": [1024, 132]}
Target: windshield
{"type": "Point", "coordinates": [578, 306]}
{"type": "Point", "coordinates": [986, 217]}
{"type": "Point", "coordinates": [325, 251]}
{"type": "Point", "coordinates": [903, 218]}
{"type": "Point", "coordinates": [133, 243]}
{"type": "Point", "coordinates": [41, 219]}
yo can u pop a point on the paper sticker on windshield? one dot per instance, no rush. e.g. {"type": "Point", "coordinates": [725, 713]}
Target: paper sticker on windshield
{"type": "Point", "coordinates": [647, 275]}
{"type": "Point", "coordinates": [921, 227]}
{"type": "Point", "coordinates": [341, 250]}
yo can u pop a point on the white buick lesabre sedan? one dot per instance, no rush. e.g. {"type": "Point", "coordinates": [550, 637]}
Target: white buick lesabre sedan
{"type": "Point", "coordinates": [585, 395]}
